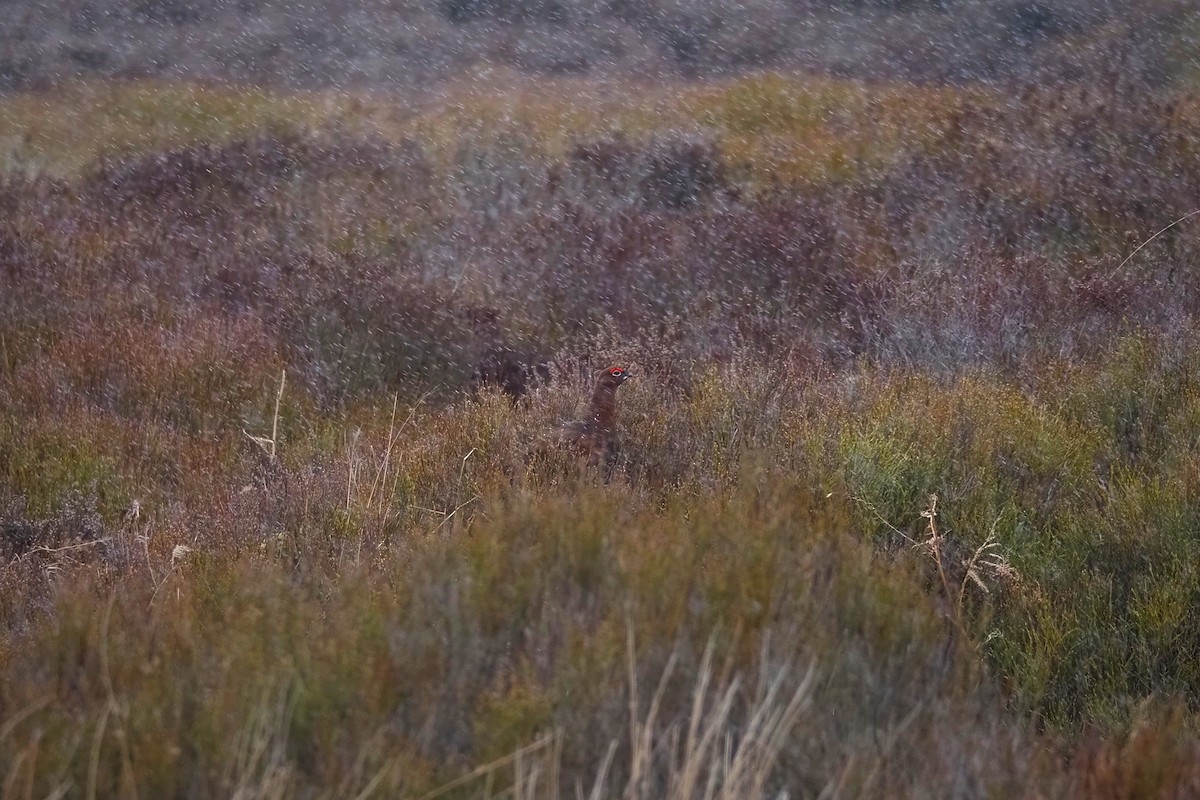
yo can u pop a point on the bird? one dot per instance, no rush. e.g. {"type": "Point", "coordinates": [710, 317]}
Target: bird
{"type": "Point", "coordinates": [594, 438]}
{"type": "Point", "coordinates": [512, 370]}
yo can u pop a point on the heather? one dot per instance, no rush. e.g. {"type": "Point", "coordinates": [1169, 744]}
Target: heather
{"type": "Point", "coordinates": [905, 498]}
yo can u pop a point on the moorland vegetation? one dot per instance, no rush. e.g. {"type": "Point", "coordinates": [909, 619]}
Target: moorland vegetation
{"type": "Point", "coordinates": [906, 498]}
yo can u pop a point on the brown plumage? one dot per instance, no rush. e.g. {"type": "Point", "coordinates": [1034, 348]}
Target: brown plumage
{"type": "Point", "coordinates": [594, 437]}
{"type": "Point", "coordinates": [497, 363]}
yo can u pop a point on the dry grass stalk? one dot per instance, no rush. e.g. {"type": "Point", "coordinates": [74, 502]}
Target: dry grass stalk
{"type": "Point", "coordinates": [710, 756]}
{"type": "Point", "coordinates": [270, 444]}
{"type": "Point", "coordinates": [985, 562]}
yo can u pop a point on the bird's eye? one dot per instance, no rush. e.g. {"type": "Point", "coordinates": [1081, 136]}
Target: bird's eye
{"type": "Point", "coordinates": [618, 372]}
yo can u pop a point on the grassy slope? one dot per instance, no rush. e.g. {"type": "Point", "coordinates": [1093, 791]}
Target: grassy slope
{"type": "Point", "coordinates": [417, 588]}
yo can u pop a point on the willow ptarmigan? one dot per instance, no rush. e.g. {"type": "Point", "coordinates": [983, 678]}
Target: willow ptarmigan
{"type": "Point", "coordinates": [594, 438]}
{"type": "Point", "coordinates": [497, 363]}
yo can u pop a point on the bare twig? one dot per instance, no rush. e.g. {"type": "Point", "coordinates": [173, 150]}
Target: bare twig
{"type": "Point", "coordinates": [275, 418]}
{"type": "Point", "coordinates": [935, 547]}
{"type": "Point", "coordinates": [270, 444]}
{"type": "Point", "coordinates": [880, 517]}
{"type": "Point", "coordinates": [64, 548]}
{"type": "Point", "coordinates": [450, 515]}
{"type": "Point", "coordinates": [462, 470]}
{"type": "Point", "coordinates": [1138, 249]}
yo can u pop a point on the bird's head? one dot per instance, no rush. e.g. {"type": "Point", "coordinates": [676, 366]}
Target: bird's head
{"type": "Point", "coordinates": [614, 376]}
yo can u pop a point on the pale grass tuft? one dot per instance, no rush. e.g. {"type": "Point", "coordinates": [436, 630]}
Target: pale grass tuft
{"type": "Point", "coordinates": [261, 768]}
{"type": "Point", "coordinates": [985, 563]}
{"type": "Point", "coordinates": [178, 553]}
{"type": "Point", "coordinates": [725, 749]}
{"type": "Point", "coordinates": [988, 562]}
